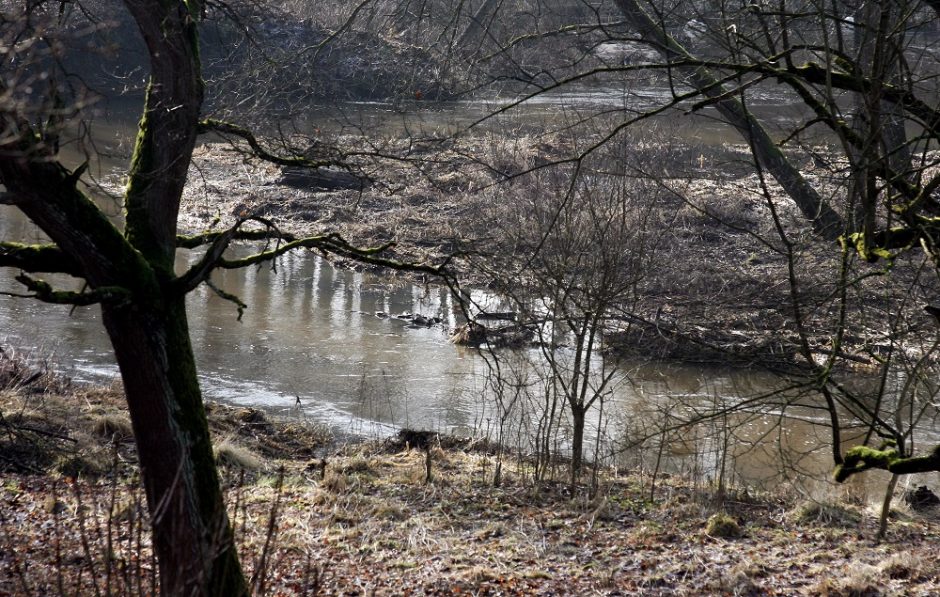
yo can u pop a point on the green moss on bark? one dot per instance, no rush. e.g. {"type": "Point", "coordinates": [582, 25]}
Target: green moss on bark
{"type": "Point", "coordinates": [862, 458]}
{"type": "Point", "coordinates": [190, 415]}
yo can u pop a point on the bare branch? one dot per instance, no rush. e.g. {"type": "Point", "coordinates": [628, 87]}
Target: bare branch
{"type": "Point", "coordinates": [332, 244]}
{"type": "Point", "coordinates": [228, 128]}
{"type": "Point", "coordinates": [201, 271]}
{"type": "Point", "coordinates": [228, 296]}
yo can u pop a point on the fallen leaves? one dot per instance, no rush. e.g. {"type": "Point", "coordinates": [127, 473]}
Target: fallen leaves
{"type": "Point", "coordinates": [384, 531]}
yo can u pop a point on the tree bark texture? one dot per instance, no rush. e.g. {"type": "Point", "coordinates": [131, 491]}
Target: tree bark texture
{"type": "Point", "coordinates": [168, 127]}
{"type": "Point", "coordinates": [577, 441]}
{"type": "Point", "coordinates": [191, 532]}
{"type": "Point", "coordinates": [146, 318]}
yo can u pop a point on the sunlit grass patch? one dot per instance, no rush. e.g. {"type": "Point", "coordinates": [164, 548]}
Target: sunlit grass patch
{"type": "Point", "coordinates": [723, 526]}
{"type": "Point", "coordinates": [905, 565]}
{"type": "Point", "coordinates": [828, 514]}
{"type": "Point", "coordinates": [856, 580]}
{"type": "Point", "coordinates": [232, 455]}
{"type": "Point", "coordinates": [113, 427]}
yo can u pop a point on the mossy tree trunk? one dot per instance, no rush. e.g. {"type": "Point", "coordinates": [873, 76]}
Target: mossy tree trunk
{"type": "Point", "coordinates": [191, 533]}
{"type": "Point", "coordinates": [131, 274]}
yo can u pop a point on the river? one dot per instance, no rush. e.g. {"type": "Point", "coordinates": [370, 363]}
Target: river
{"type": "Point", "coordinates": [312, 345]}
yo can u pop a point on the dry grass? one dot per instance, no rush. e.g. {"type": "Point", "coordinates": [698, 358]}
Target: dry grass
{"type": "Point", "coordinates": [370, 527]}
{"type": "Point", "coordinates": [909, 566]}
{"type": "Point", "coordinates": [857, 580]}
{"type": "Point", "coordinates": [80, 432]}
{"type": "Point", "coordinates": [816, 513]}
{"type": "Point", "coordinates": [113, 427]}
{"type": "Point", "coordinates": [237, 457]}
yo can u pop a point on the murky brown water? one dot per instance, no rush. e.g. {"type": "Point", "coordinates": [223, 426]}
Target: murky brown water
{"type": "Point", "coordinates": [311, 332]}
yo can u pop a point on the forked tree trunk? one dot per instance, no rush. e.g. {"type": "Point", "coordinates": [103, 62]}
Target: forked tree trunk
{"type": "Point", "coordinates": [143, 304]}
{"type": "Point", "coordinates": [191, 533]}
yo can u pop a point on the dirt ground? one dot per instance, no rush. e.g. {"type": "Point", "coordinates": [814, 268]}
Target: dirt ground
{"type": "Point", "coordinates": [360, 518]}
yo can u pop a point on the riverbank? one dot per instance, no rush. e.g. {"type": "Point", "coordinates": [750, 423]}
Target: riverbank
{"type": "Point", "coordinates": [714, 285]}
{"type": "Point", "coordinates": [359, 518]}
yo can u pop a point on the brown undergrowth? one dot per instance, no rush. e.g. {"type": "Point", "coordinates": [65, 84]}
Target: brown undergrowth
{"type": "Point", "coordinates": [359, 519]}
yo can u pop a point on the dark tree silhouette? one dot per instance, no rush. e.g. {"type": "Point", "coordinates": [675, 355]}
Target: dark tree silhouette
{"type": "Point", "coordinates": [129, 272]}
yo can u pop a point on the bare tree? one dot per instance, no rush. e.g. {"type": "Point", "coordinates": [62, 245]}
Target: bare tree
{"type": "Point", "coordinates": [128, 269]}
{"type": "Point", "coordinates": [581, 241]}
{"type": "Point", "coordinates": [860, 75]}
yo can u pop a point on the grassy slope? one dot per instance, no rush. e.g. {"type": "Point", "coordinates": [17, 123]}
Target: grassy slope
{"type": "Point", "coordinates": [371, 524]}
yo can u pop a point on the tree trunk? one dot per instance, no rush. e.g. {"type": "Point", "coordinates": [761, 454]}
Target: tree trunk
{"type": "Point", "coordinates": [877, 41]}
{"type": "Point", "coordinates": [477, 25]}
{"type": "Point", "coordinates": [191, 533]}
{"type": "Point", "coordinates": [132, 275]}
{"type": "Point", "coordinates": [577, 442]}
{"type": "Point", "coordinates": [825, 220]}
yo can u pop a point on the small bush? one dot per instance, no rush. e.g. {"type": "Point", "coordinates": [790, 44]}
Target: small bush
{"type": "Point", "coordinates": [722, 525]}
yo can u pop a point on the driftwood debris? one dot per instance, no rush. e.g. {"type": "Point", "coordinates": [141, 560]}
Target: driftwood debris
{"type": "Point", "coordinates": [476, 334]}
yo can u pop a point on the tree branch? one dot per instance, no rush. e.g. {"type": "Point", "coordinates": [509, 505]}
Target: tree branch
{"type": "Point", "coordinates": [228, 296]}
{"type": "Point", "coordinates": [38, 258]}
{"type": "Point", "coordinates": [227, 128]}
{"type": "Point", "coordinates": [863, 458]}
{"type": "Point", "coordinates": [44, 292]}
{"type": "Point", "coordinates": [824, 218]}
{"type": "Point", "coordinates": [46, 192]}
{"type": "Point", "coordinates": [194, 241]}
{"type": "Point", "coordinates": [201, 271]}
{"type": "Point", "coordinates": [328, 244]}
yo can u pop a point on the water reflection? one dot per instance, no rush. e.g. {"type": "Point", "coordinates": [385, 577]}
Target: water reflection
{"type": "Point", "coordinates": [311, 332]}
